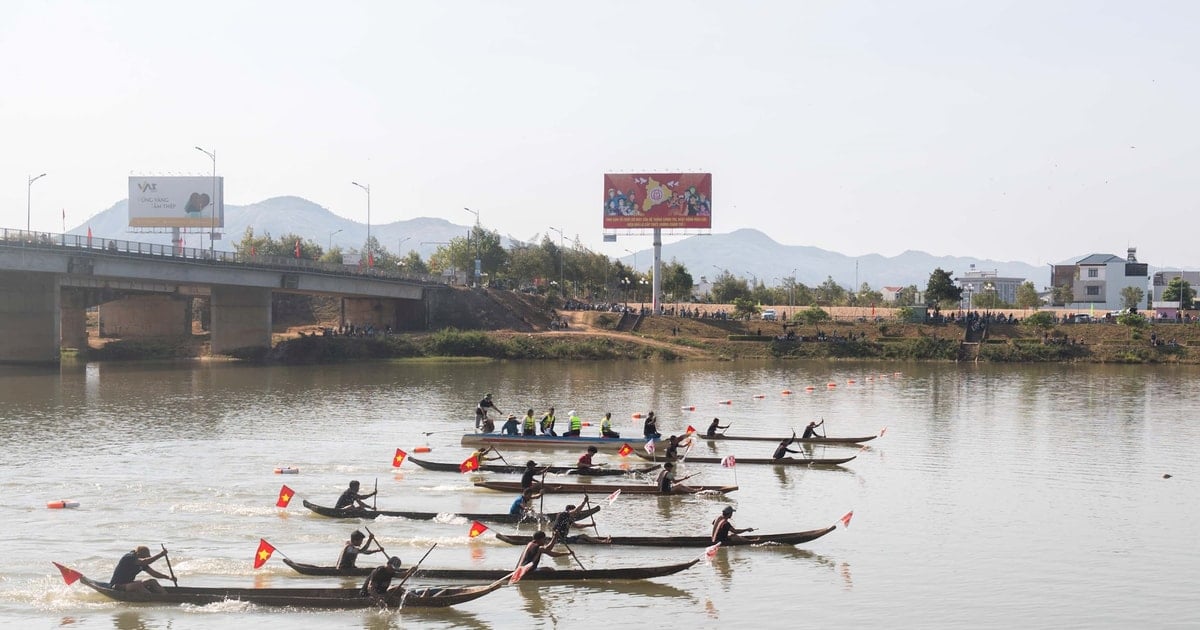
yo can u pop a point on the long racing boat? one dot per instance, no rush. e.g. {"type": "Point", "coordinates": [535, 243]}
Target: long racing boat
{"type": "Point", "coordinates": [812, 440]}
{"type": "Point", "coordinates": [538, 442]}
{"type": "Point", "coordinates": [542, 574]}
{"type": "Point", "coordinates": [426, 516]}
{"type": "Point", "coordinates": [813, 462]}
{"type": "Point", "coordinates": [599, 488]}
{"type": "Point", "coordinates": [790, 538]}
{"type": "Point", "coordinates": [595, 471]}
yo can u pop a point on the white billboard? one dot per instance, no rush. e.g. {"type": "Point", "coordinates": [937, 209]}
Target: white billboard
{"type": "Point", "coordinates": [176, 202]}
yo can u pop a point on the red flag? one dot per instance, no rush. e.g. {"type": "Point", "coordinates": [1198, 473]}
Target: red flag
{"type": "Point", "coordinates": [846, 518]}
{"type": "Point", "coordinates": [625, 450]}
{"type": "Point", "coordinates": [728, 461]}
{"type": "Point", "coordinates": [370, 259]}
{"type": "Point", "coordinates": [712, 551]}
{"type": "Point", "coordinates": [265, 549]}
{"type": "Point", "coordinates": [297, 248]}
{"type": "Point", "coordinates": [285, 496]}
{"type": "Point", "coordinates": [613, 497]}
{"type": "Point", "coordinates": [882, 431]}
{"type": "Point", "coordinates": [69, 575]}
{"type": "Point", "coordinates": [253, 250]}
{"type": "Point", "coordinates": [471, 463]}
{"type": "Point", "coordinates": [691, 429]}
{"type": "Point", "coordinates": [89, 236]}
{"type": "Point", "coordinates": [650, 446]}
{"type": "Point", "coordinates": [399, 458]}
{"type": "Point", "coordinates": [520, 572]}
{"type": "Point", "coordinates": [477, 528]}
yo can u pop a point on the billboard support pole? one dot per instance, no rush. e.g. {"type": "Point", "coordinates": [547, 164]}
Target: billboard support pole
{"type": "Point", "coordinates": [657, 286]}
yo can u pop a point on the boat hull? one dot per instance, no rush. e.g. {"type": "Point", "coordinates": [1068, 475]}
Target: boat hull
{"type": "Point", "coordinates": [549, 442]}
{"type": "Point", "coordinates": [542, 574]}
{"type": "Point", "coordinates": [559, 470]}
{"type": "Point", "coordinates": [845, 441]}
{"type": "Point", "coordinates": [810, 462]}
{"type": "Point", "coordinates": [598, 488]}
{"type": "Point", "coordinates": [425, 516]}
{"type": "Point", "coordinates": [790, 538]}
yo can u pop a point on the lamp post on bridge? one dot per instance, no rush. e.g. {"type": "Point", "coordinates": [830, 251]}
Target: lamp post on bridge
{"type": "Point", "coordinates": [212, 223]}
{"type": "Point", "coordinates": [28, 192]}
{"type": "Point", "coordinates": [367, 188]}
{"type": "Point", "coordinates": [331, 239]}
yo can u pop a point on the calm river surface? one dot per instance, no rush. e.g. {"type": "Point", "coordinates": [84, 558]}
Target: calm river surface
{"type": "Point", "coordinates": [999, 497]}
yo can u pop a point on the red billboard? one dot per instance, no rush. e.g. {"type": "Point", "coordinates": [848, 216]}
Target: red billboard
{"type": "Point", "coordinates": [657, 200]}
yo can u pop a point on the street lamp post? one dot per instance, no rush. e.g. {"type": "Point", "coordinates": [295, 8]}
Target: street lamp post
{"type": "Point", "coordinates": [212, 224]}
{"type": "Point", "coordinates": [367, 188]}
{"type": "Point", "coordinates": [28, 191]}
{"type": "Point", "coordinates": [478, 273]}
{"type": "Point", "coordinates": [634, 258]}
{"type": "Point", "coordinates": [399, 251]}
{"type": "Point", "coordinates": [792, 290]}
{"type": "Point", "coordinates": [560, 260]}
{"type": "Point", "coordinates": [331, 238]}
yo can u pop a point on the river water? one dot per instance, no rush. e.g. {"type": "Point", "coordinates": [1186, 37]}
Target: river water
{"type": "Point", "coordinates": [998, 497]}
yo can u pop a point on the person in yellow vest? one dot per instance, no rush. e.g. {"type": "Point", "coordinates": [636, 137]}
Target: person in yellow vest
{"type": "Point", "coordinates": [576, 425]}
{"type": "Point", "coordinates": [530, 424]}
{"type": "Point", "coordinates": [606, 427]}
{"type": "Point", "coordinates": [548, 423]}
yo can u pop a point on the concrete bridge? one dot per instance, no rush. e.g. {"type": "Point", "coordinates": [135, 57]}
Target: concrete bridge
{"type": "Point", "coordinates": [48, 281]}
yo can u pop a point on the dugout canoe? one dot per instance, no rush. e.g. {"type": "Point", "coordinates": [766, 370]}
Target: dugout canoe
{"type": "Point", "coordinates": [786, 461]}
{"type": "Point", "coordinates": [397, 597]}
{"type": "Point", "coordinates": [549, 442]}
{"type": "Point", "coordinates": [799, 440]}
{"type": "Point", "coordinates": [542, 574]}
{"type": "Point", "coordinates": [598, 488]}
{"type": "Point", "coordinates": [426, 516]}
{"type": "Point", "coordinates": [791, 538]}
{"type": "Point", "coordinates": [561, 470]}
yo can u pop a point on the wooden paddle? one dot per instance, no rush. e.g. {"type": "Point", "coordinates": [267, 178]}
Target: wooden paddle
{"type": "Point", "coordinates": [169, 569]}
{"type": "Point", "coordinates": [573, 556]}
{"type": "Point", "coordinates": [377, 543]}
{"type": "Point", "coordinates": [413, 570]}
{"type": "Point", "coordinates": [497, 452]}
{"type": "Point", "coordinates": [375, 496]}
{"type": "Point", "coordinates": [587, 502]}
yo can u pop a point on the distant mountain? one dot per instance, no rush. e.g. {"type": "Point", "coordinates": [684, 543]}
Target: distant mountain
{"type": "Point", "coordinates": [746, 253]}
{"type": "Point", "coordinates": [281, 215]}
{"type": "Point", "coordinates": [749, 253]}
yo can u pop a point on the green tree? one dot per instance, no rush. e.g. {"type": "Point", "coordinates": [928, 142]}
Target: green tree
{"type": "Point", "coordinates": [1174, 287]}
{"type": "Point", "coordinates": [412, 263]}
{"type": "Point", "coordinates": [726, 288]}
{"type": "Point", "coordinates": [907, 296]}
{"type": "Point", "coordinates": [829, 293]}
{"type": "Point", "coordinates": [940, 289]}
{"type": "Point", "coordinates": [989, 298]}
{"type": "Point", "coordinates": [1136, 321]}
{"type": "Point", "coordinates": [1027, 296]}
{"type": "Point", "coordinates": [1041, 320]}
{"type": "Point", "coordinates": [676, 281]}
{"type": "Point", "coordinates": [744, 308]}
{"type": "Point", "coordinates": [813, 315]}
{"type": "Point", "coordinates": [1131, 297]}
{"type": "Point", "coordinates": [1062, 295]}
{"type": "Point", "coordinates": [867, 296]}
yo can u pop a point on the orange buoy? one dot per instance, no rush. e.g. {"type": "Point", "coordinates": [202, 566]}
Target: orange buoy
{"type": "Point", "coordinates": [421, 449]}
{"type": "Point", "coordinates": [760, 395]}
{"type": "Point", "coordinates": [810, 388]}
{"type": "Point", "coordinates": [786, 392]}
{"type": "Point", "coordinates": [688, 408]}
{"type": "Point", "coordinates": [830, 385]}
{"type": "Point", "coordinates": [724, 402]}
{"type": "Point", "coordinates": [850, 382]}
{"type": "Point", "coordinates": [636, 415]}
{"type": "Point", "coordinates": [587, 424]}
{"type": "Point", "coordinates": [287, 470]}
{"type": "Point", "coordinates": [62, 504]}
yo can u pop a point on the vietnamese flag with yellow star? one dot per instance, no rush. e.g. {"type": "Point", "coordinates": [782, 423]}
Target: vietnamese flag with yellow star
{"type": "Point", "coordinates": [285, 496]}
{"type": "Point", "coordinates": [265, 549]}
{"type": "Point", "coordinates": [477, 528]}
{"type": "Point", "coordinates": [471, 463]}
{"type": "Point", "coordinates": [399, 458]}
{"type": "Point", "coordinates": [625, 450]}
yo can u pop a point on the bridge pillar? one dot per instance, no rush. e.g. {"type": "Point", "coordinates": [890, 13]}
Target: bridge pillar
{"type": "Point", "coordinates": [143, 316]}
{"type": "Point", "coordinates": [241, 317]}
{"type": "Point", "coordinates": [73, 310]}
{"type": "Point", "coordinates": [29, 317]}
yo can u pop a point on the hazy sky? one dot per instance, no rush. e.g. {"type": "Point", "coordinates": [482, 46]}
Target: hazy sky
{"type": "Point", "coordinates": [1031, 131]}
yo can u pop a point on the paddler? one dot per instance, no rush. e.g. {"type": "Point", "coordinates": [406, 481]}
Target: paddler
{"type": "Point", "coordinates": [723, 530]}
{"type": "Point", "coordinates": [585, 460]}
{"type": "Point", "coordinates": [566, 520]}
{"type": "Point", "coordinates": [666, 480]}
{"type": "Point", "coordinates": [782, 450]}
{"type": "Point", "coordinates": [351, 498]}
{"type": "Point", "coordinates": [523, 505]}
{"type": "Point", "coordinates": [350, 550]}
{"type": "Point", "coordinates": [606, 427]}
{"type": "Point", "coordinates": [810, 431]}
{"type": "Point", "coordinates": [532, 554]}
{"type": "Point", "coordinates": [380, 580]}
{"type": "Point", "coordinates": [712, 428]}
{"type": "Point", "coordinates": [133, 563]}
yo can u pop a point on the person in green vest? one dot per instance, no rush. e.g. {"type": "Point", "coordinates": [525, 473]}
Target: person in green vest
{"type": "Point", "coordinates": [530, 423]}
{"type": "Point", "coordinates": [576, 425]}
{"type": "Point", "coordinates": [606, 427]}
{"type": "Point", "coordinates": [548, 423]}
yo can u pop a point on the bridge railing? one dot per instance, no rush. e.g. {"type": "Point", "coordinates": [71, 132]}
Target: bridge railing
{"type": "Point", "coordinates": [118, 247]}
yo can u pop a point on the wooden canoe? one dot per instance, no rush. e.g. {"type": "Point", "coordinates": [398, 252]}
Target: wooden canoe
{"type": "Point", "coordinates": [799, 440]}
{"type": "Point", "coordinates": [475, 440]}
{"type": "Point", "coordinates": [786, 461]}
{"type": "Point", "coordinates": [398, 597]}
{"type": "Point", "coordinates": [542, 574]}
{"type": "Point", "coordinates": [791, 538]}
{"type": "Point", "coordinates": [425, 516]}
{"type": "Point", "coordinates": [560, 470]}
{"type": "Point", "coordinates": [598, 488]}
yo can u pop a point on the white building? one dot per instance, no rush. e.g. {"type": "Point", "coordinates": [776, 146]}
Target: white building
{"type": "Point", "coordinates": [1097, 281]}
{"type": "Point", "coordinates": [976, 282]}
